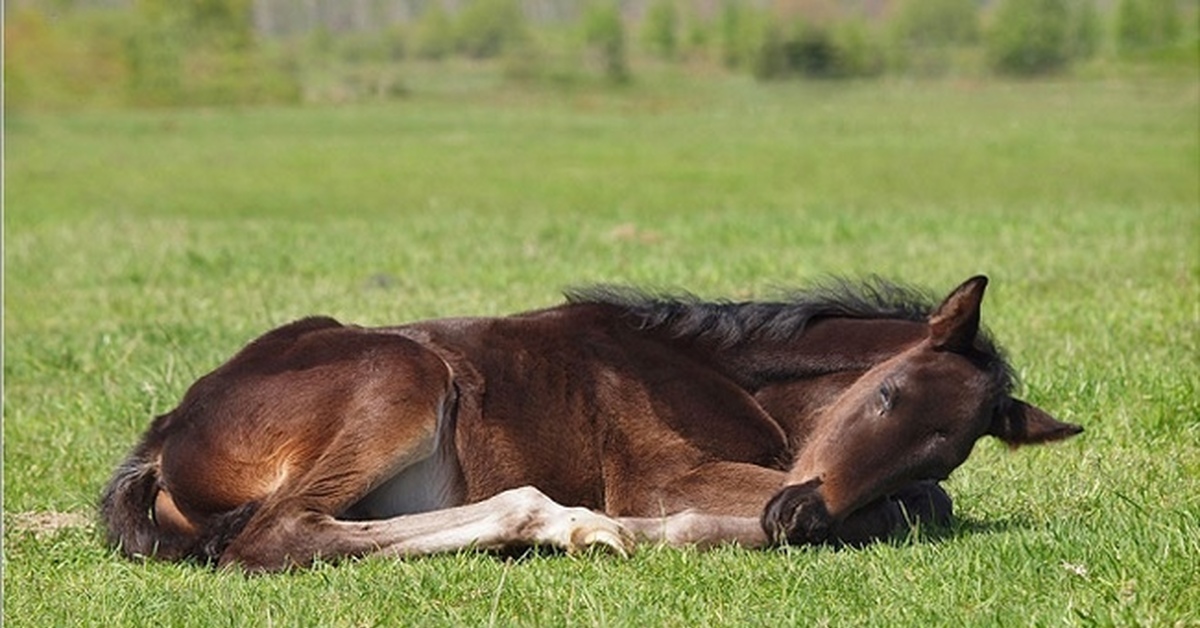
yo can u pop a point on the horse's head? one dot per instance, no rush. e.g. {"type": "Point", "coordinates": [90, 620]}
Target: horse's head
{"type": "Point", "coordinates": [915, 416]}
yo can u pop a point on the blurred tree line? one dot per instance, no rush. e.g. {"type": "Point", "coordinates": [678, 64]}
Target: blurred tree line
{"type": "Point", "coordinates": [64, 53]}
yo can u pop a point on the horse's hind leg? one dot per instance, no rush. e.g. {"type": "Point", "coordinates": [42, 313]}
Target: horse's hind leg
{"type": "Point", "coordinates": [373, 417]}
{"type": "Point", "coordinates": [399, 422]}
{"type": "Point", "coordinates": [519, 517]}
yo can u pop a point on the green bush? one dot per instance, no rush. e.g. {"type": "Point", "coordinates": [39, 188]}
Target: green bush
{"type": "Point", "coordinates": [201, 52]}
{"type": "Point", "coordinates": [740, 32]}
{"type": "Point", "coordinates": [434, 36]}
{"type": "Point", "coordinates": [660, 29]}
{"type": "Point", "coordinates": [809, 51]}
{"type": "Point", "coordinates": [487, 27]}
{"type": "Point", "coordinates": [857, 52]}
{"type": "Point", "coordinates": [216, 76]}
{"type": "Point", "coordinates": [925, 36]}
{"type": "Point", "coordinates": [1146, 24]}
{"type": "Point", "coordinates": [604, 39]}
{"type": "Point", "coordinates": [769, 60]}
{"type": "Point", "coordinates": [935, 22]}
{"type": "Point", "coordinates": [1030, 37]}
{"type": "Point", "coordinates": [395, 42]}
{"type": "Point", "coordinates": [362, 48]}
{"type": "Point", "coordinates": [224, 24]}
{"type": "Point", "coordinates": [1086, 31]}
{"type": "Point", "coordinates": [70, 62]}
{"type": "Point", "coordinates": [843, 49]}
{"type": "Point", "coordinates": [154, 53]}
{"type": "Point", "coordinates": [697, 35]}
{"type": "Point", "coordinates": [526, 62]}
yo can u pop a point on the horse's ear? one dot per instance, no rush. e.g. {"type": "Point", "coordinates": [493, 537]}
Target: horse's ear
{"type": "Point", "coordinates": [1024, 424]}
{"type": "Point", "coordinates": [955, 323]}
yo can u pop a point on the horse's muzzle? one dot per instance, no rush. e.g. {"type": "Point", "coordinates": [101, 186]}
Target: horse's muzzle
{"type": "Point", "coordinates": [797, 515]}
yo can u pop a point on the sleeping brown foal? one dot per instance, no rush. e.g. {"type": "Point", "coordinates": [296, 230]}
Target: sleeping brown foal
{"type": "Point", "coordinates": [828, 417]}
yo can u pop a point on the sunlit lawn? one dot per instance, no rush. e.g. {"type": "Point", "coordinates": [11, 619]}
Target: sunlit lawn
{"type": "Point", "coordinates": [142, 248]}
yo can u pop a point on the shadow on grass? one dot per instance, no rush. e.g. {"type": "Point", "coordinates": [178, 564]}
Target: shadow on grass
{"type": "Point", "coordinates": [961, 527]}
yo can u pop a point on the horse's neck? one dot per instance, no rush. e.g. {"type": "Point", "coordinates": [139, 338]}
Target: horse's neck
{"type": "Point", "coordinates": [792, 380]}
{"type": "Point", "coordinates": [827, 346]}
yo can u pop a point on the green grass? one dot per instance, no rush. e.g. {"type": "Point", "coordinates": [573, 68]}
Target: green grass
{"type": "Point", "coordinates": [142, 248]}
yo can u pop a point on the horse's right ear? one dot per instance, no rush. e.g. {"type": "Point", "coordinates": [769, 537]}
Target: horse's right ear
{"type": "Point", "coordinates": [1024, 424]}
{"type": "Point", "coordinates": [955, 323]}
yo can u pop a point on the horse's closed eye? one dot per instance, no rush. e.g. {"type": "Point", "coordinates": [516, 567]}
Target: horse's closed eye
{"type": "Point", "coordinates": [887, 398]}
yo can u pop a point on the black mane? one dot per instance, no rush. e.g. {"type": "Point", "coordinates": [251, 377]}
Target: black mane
{"type": "Point", "coordinates": [729, 323]}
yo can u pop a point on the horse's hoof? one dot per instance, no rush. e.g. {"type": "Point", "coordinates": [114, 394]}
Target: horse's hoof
{"type": "Point", "coordinates": [797, 515]}
{"type": "Point", "coordinates": [925, 503]}
{"type": "Point", "coordinates": [584, 529]}
{"type": "Point", "coordinates": [620, 543]}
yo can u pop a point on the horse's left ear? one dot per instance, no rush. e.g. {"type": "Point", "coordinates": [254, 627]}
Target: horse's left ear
{"type": "Point", "coordinates": [955, 323]}
{"type": "Point", "coordinates": [1023, 424]}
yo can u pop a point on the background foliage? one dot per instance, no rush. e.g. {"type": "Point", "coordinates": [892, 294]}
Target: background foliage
{"type": "Point", "coordinates": [214, 52]}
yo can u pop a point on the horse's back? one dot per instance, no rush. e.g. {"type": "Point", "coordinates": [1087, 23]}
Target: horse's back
{"type": "Point", "coordinates": [591, 410]}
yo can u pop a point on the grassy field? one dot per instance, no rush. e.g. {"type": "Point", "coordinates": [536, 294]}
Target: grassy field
{"type": "Point", "coordinates": [142, 248]}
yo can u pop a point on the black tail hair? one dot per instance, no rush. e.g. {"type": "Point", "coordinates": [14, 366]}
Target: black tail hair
{"type": "Point", "coordinates": [126, 508]}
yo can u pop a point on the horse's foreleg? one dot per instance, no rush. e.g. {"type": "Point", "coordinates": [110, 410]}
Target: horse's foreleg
{"type": "Point", "coordinates": [693, 528]}
{"type": "Point", "coordinates": [917, 504]}
{"type": "Point", "coordinates": [519, 517]}
{"type": "Point", "coordinates": [714, 504]}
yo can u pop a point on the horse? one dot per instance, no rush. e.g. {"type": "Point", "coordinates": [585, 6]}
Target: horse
{"type": "Point", "coordinates": [828, 417]}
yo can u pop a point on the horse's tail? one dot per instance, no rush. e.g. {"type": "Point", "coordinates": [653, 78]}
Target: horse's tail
{"type": "Point", "coordinates": [141, 519]}
{"type": "Point", "coordinates": [127, 507]}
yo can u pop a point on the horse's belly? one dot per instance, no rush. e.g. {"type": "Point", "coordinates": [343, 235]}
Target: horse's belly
{"type": "Point", "coordinates": [430, 484]}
